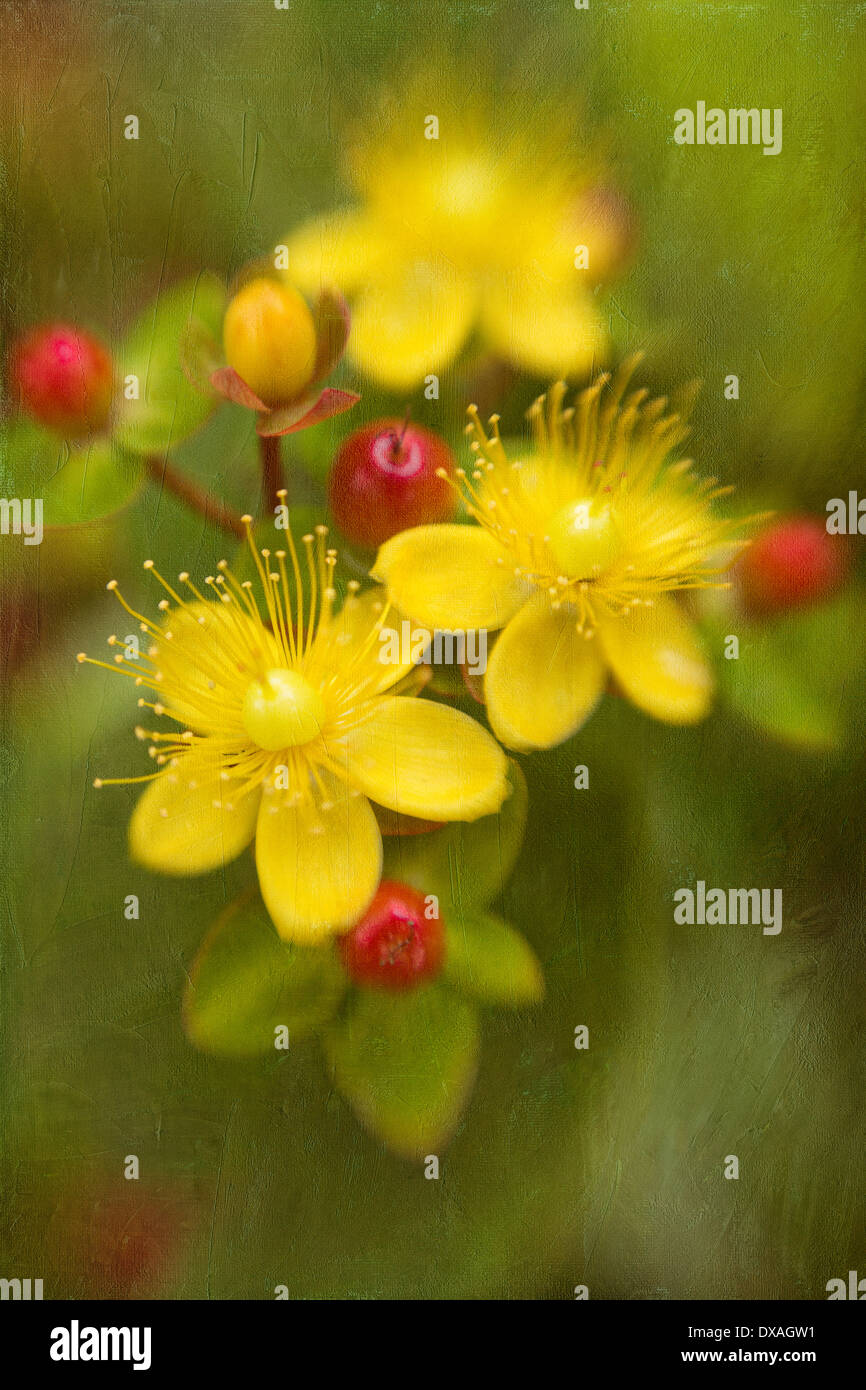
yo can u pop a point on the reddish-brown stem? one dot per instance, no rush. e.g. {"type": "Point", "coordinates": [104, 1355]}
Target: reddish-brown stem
{"type": "Point", "coordinates": [166, 475]}
{"type": "Point", "coordinates": [397, 446]}
{"type": "Point", "coordinates": [272, 470]}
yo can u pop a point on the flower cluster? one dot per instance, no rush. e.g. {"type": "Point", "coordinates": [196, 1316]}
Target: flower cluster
{"type": "Point", "coordinates": [300, 722]}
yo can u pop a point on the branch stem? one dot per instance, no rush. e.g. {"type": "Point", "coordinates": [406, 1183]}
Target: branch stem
{"type": "Point", "coordinates": [164, 474]}
{"type": "Point", "coordinates": [272, 470]}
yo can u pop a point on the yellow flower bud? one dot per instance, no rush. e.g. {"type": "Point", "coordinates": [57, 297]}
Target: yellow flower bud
{"type": "Point", "coordinates": [270, 340]}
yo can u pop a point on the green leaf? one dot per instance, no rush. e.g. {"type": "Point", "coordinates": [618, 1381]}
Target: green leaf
{"type": "Point", "coordinates": [466, 864]}
{"type": "Point", "coordinates": [488, 959]}
{"type": "Point", "coordinates": [169, 408]}
{"type": "Point", "coordinates": [83, 493]}
{"type": "Point", "coordinates": [406, 1064]}
{"type": "Point", "coordinates": [95, 481]}
{"type": "Point", "coordinates": [29, 457]}
{"type": "Point", "coordinates": [82, 482]}
{"type": "Point", "coordinates": [796, 676]}
{"type": "Point", "coordinates": [246, 982]}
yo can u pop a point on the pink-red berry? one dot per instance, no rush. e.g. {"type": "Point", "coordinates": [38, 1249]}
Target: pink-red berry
{"type": "Point", "coordinates": [385, 479]}
{"type": "Point", "coordinates": [794, 562]}
{"type": "Point", "coordinates": [396, 945]}
{"type": "Point", "coordinates": [62, 377]}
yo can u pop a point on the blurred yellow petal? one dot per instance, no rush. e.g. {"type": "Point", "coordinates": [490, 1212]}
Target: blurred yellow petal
{"type": "Point", "coordinates": [543, 678]}
{"type": "Point", "coordinates": [450, 576]}
{"type": "Point", "coordinates": [425, 759]}
{"type": "Point", "coordinates": [357, 641]}
{"type": "Point", "coordinates": [319, 863]}
{"type": "Point", "coordinates": [658, 661]}
{"type": "Point", "coordinates": [409, 322]}
{"type": "Point", "coordinates": [343, 249]}
{"type": "Point", "coordinates": [189, 821]}
{"type": "Point", "coordinates": [542, 327]}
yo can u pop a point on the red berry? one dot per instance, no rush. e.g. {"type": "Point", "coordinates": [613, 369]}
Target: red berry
{"type": "Point", "coordinates": [119, 1244]}
{"type": "Point", "coordinates": [792, 563]}
{"type": "Point", "coordinates": [384, 479]}
{"type": "Point", "coordinates": [395, 945]}
{"type": "Point", "coordinates": [132, 1244]}
{"type": "Point", "coordinates": [63, 378]}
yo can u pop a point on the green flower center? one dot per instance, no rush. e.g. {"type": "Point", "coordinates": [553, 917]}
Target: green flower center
{"type": "Point", "coordinates": [283, 710]}
{"type": "Point", "coordinates": [582, 537]}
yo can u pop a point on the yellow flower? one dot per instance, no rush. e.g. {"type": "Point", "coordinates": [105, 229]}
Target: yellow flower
{"type": "Point", "coordinates": [478, 227]}
{"type": "Point", "coordinates": [289, 722]}
{"type": "Point", "coordinates": [577, 553]}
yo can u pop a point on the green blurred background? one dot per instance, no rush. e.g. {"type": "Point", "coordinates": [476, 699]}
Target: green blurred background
{"type": "Point", "coordinates": [602, 1167]}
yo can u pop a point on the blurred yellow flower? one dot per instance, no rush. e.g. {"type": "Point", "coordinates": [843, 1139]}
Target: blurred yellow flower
{"type": "Point", "coordinates": [289, 721]}
{"type": "Point", "coordinates": [504, 229]}
{"type": "Point", "coordinates": [577, 553]}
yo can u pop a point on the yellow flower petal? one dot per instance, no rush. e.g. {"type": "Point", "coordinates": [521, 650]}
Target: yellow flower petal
{"type": "Point", "coordinates": [543, 678]}
{"type": "Point", "coordinates": [189, 821]}
{"type": "Point", "coordinates": [199, 664]}
{"type": "Point", "coordinates": [342, 249]}
{"type": "Point", "coordinates": [450, 577]}
{"type": "Point", "coordinates": [657, 659]}
{"type": "Point", "coordinates": [318, 866]}
{"type": "Point", "coordinates": [428, 760]}
{"type": "Point", "coordinates": [357, 643]}
{"type": "Point", "coordinates": [410, 322]}
{"type": "Point", "coordinates": [545, 330]}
